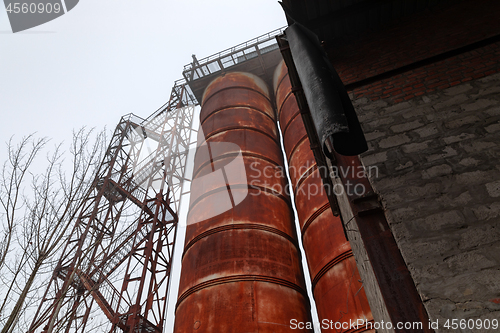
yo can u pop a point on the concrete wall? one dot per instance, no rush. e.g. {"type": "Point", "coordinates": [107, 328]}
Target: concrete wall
{"type": "Point", "coordinates": [439, 179]}
{"type": "Point", "coordinates": [427, 92]}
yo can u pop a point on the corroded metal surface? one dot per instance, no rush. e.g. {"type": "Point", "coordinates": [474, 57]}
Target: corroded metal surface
{"type": "Point", "coordinates": [241, 268]}
{"type": "Point", "coordinates": [335, 279]}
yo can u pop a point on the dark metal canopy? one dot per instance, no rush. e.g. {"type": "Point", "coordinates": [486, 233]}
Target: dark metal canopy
{"type": "Point", "coordinates": [339, 21]}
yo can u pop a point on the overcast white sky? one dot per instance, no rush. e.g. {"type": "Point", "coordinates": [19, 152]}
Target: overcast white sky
{"type": "Point", "coordinates": [107, 58]}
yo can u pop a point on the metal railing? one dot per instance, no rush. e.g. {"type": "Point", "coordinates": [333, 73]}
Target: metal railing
{"type": "Point", "coordinates": [232, 56]}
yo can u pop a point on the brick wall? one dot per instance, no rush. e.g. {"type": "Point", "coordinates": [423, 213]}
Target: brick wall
{"type": "Point", "coordinates": [435, 38]}
{"type": "Point", "coordinates": [439, 179]}
{"type": "Point", "coordinates": [439, 75]}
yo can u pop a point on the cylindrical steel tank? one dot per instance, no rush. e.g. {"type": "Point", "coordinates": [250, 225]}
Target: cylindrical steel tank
{"type": "Point", "coordinates": [241, 266]}
{"type": "Point", "coordinates": [336, 285]}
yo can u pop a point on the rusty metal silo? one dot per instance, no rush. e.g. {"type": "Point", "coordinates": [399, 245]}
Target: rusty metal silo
{"type": "Point", "coordinates": [335, 279]}
{"type": "Point", "coordinates": [241, 267]}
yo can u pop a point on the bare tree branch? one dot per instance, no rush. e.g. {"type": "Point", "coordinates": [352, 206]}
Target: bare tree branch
{"type": "Point", "coordinates": [35, 217]}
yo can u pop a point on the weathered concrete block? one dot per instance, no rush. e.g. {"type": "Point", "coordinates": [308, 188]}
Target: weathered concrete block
{"type": "Point", "coordinates": [398, 107]}
{"type": "Point", "coordinates": [446, 152]}
{"type": "Point", "coordinates": [469, 161]}
{"type": "Point", "coordinates": [467, 120]}
{"type": "Point", "coordinates": [437, 171]}
{"type": "Point", "coordinates": [493, 128]}
{"type": "Point", "coordinates": [493, 111]}
{"type": "Point", "coordinates": [473, 177]}
{"type": "Point", "coordinates": [394, 141]}
{"type": "Point", "coordinates": [456, 138]}
{"type": "Point", "coordinates": [487, 91]}
{"type": "Point", "coordinates": [487, 212]}
{"type": "Point", "coordinates": [479, 104]}
{"type": "Point", "coordinates": [427, 130]}
{"type": "Point", "coordinates": [462, 262]}
{"type": "Point", "coordinates": [374, 135]}
{"type": "Point", "coordinates": [452, 200]}
{"type": "Point", "coordinates": [412, 113]}
{"type": "Point", "coordinates": [477, 146]}
{"type": "Point", "coordinates": [380, 122]}
{"type": "Point", "coordinates": [374, 105]}
{"type": "Point", "coordinates": [366, 116]}
{"type": "Point", "coordinates": [360, 101]}
{"type": "Point", "coordinates": [428, 190]}
{"type": "Point", "coordinates": [478, 235]}
{"type": "Point", "coordinates": [456, 100]}
{"type": "Point", "coordinates": [406, 126]}
{"type": "Point", "coordinates": [456, 90]}
{"type": "Point", "coordinates": [441, 220]}
{"type": "Point", "coordinates": [375, 158]}
{"type": "Point", "coordinates": [493, 189]}
{"type": "Point", "coordinates": [414, 147]}
{"type": "Point", "coordinates": [408, 164]}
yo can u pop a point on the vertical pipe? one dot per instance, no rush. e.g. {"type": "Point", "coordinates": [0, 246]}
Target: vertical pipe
{"type": "Point", "coordinates": [337, 288]}
{"type": "Point", "coordinates": [241, 268]}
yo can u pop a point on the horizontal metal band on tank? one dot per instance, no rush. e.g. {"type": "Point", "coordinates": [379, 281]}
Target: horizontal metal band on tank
{"type": "Point", "coordinates": [293, 116]}
{"type": "Point", "coordinates": [240, 278]}
{"type": "Point", "coordinates": [313, 217]}
{"type": "Point", "coordinates": [203, 116]}
{"type": "Point", "coordinates": [304, 176]}
{"type": "Point", "coordinates": [329, 265]}
{"type": "Point", "coordinates": [296, 146]}
{"type": "Point", "coordinates": [254, 226]}
{"type": "Point", "coordinates": [216, 111]}
{"type": "Point", "coordinates": [235, 128]}
{"type": "Point", "coordinates": [241, 186]}
{"type": "Point", "coordinates": [243, 153]}
{"type": "Point", "coordinates": [298, 140]}
{"type": "Point", "coordinates": [233, 106]}
{"type": "Point", "coordinates": [205, 100]}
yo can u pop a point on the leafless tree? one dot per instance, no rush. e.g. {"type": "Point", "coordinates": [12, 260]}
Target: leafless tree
{"type": "Point", "coordinates": [36, 212]}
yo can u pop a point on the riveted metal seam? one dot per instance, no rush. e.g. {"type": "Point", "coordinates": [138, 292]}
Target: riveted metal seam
{"type": "Point", "coordinates": [304, 176]}
{"type": "Point", "coordinates": [290, 122]}
{"type": "Point", "coordinates": [241, 186]}
{"type": "Point", "coordinates": [245, 154]}
{"type": "Point", "coordinates": [313, 217]}
{"type": "Point", "coordinates": [239, 278]}
{"type": "Point", "coordinates": [216, 111]}
{"type": "Point", "coordinates": [281, 81]}
{"type": "Point", "coordinates": [237, 128]}
{"type": "Point", "coordinates": [289, 157]}
{"type": "Point", "coordinates": [239, 226]}
{"type": "Point", "coordinates": [329, 265]}
{"type": "Point", "coordinates": [236, 87]}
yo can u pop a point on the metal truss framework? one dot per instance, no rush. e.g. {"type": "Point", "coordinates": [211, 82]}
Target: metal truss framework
{"type": "Point", "coordinates": [224, 60]}
{"type": "Point", "coordinates": [117, 260]}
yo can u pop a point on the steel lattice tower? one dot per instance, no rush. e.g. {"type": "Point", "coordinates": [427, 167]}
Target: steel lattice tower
{"type": "Point", "coordinates": [118, 257]}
